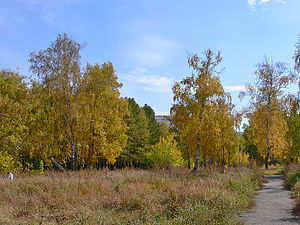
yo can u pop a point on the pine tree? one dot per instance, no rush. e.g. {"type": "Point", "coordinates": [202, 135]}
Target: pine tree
{"type": "Point", "coordinates": [152, 125]}
{"type": "Point", "coordinates": [135, 153]}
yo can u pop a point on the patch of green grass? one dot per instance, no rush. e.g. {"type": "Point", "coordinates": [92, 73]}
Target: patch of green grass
{"type": "Point", "coordinates": [274, 170]}
{"type": "Point", "coordinates": [293, 179]}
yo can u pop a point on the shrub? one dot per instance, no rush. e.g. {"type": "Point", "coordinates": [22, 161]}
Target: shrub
{"type": "Point", "coordinates": [291, 175]}
{"type": "Point", "coordinates": [165, 153]}
{"type": "Point", "coordinates": [293, 179]}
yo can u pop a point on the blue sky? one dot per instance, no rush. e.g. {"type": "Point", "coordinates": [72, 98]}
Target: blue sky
{"type": "Point", "coordinates": [147, 40]}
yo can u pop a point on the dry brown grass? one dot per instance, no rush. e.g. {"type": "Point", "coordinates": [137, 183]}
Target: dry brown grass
{"type": "Point", "coordinates": [128, 197]}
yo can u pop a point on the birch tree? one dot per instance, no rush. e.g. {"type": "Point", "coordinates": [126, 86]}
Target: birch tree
{"type": "Point", "coordinates": [194, 94]}
{"type": "Point", "coordinates": [13, 111]}
{"type": "Point", "coordinates": [264, 112]}
{"type": "Point", "coordinates": [297, 56]}
{"type": "Point", "coordinates": [58, 68]}
{"type": "Point", "coordinates": [101, 112]}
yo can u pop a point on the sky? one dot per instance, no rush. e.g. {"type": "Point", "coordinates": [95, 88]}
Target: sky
{"type": "Point", "coordinates": [148, 41]}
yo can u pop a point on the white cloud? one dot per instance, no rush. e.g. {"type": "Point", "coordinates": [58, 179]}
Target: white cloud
{"type": "Point", "coordinates": [152, 51]}
{"type": "Point", "coordinates": [281, 1]}
{"type": "Point", "coordinates": [254, 3]}
{"type": "Point", "coordinates": [141, 78]}
{"type": "Point", "coordinates": [235, 88]}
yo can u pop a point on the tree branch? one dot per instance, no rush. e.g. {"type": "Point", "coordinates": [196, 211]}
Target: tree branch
{"type": "Point", "coordinates": [57, 164]}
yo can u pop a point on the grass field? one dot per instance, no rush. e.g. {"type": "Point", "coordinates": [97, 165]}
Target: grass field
{"type": "Point", "coordinates": [129, 196]}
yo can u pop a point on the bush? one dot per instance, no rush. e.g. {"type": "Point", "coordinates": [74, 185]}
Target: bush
{"type": "Point", "coordinates": [293, 179]}
{"type": "Point", "coordinates": [165, 153]}
{"type": "Point", "coordinates": [291, 175]}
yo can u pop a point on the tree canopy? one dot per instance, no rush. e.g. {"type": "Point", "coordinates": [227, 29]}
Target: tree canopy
{"type": "Point", "coordinates": [70, 117]}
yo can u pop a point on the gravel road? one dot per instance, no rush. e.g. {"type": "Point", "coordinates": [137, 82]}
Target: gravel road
{"type": "Point", "coordinates": [273, 205]}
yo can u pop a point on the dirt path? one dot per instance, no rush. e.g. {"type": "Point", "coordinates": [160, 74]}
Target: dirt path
{"type": "Point", "coordinates": [273, 205]}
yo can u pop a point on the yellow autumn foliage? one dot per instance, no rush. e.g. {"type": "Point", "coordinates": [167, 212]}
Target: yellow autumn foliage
{"type": "Point", "coordinates": [165, 153]}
